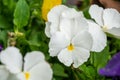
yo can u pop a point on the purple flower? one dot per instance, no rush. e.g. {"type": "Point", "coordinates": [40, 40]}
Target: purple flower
{"type": "Point", "coordinates": [113, 67]}
{"type": "Point", "coordinates": [1, 47]}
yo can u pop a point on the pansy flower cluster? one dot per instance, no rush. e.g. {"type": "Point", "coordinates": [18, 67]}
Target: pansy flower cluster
{"type": "Point", "coordinates": [32, 67]}
{"type": "Point", "coordinates": [72, 36]}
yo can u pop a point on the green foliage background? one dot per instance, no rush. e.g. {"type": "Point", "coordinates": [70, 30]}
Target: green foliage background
{"type": "Point", "coordinates": [23, 19]}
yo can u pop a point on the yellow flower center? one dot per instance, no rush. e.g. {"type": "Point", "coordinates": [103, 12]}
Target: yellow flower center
{"type": "Point", "coordinates": [104, 28]}
{"type": "Point", "coordinates": [27, 75]}
{"type": "Point", "coordinates": [70, 47]}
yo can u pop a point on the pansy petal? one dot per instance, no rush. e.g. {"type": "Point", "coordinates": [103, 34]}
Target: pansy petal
{"type": "Point", "coordinates": [96, 13]}
{"type": "Point", "coordinates": [12, 58]}
{"type": "Point", "coordinates": [65, 57]}
{"type": "Point", "coordinates": [47, 5]}
{"type": "Point", "coordinates": [21, 76]}
{"type": "Point", "coordinates": [57, 42]}
{"type": "Point", "coordinates": [80, 55]}
{"type": "Point", "coordinates": [55, 13]}
{"type": "Point", "coordinates": [33, 58]}
{"type": "Point", "coordinates": [114, 31]}
{"type": "Point", "coordinates": [113, 67]}
{"type": "Point", "coordinates": [66, 26]}
{"type": "Point", "coordinates": [80, 24]}
{"type": "Point", "coordinates": [12, 77]}
{"type": "Point", "coordinates": [41, 71]}
{"type": "Point", "coordinates": [54, 17]}
{"type": "Point", "coordinates": [71, 13]}
{"type": "Point", "coordinates": [4, 73]}
{"type": "Point", "coordinates": [111, 18]}
{"type": "Point", "coordinates": [47, 29]}
{"type": "Point", "coordinates": [99, 37]}
{"type": "Point", "coordinates": [83, 40]}
{"type": "Point", "coordinates": [113, 61]}
{"type": "Point", "coordinates": [118, 70]}
{"type": "Point", "coordinates": [114, 71]}
{"type": "Point", "coordinates": [73, 26]}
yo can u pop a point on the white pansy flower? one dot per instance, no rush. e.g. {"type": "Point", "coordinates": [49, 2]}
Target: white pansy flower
{"type": "Point", "coordinates": [5, 74]}
{"type": "Point", "coordinates": [55, 17]}
{"type": "Point", "coordinates": [108, 19]}
{"type": "Point", "coordinates": [60, 13]}
{"type": "Point", "coordinates": [34, 66]}
{"type": "Point", "coordinates": [72, 44]}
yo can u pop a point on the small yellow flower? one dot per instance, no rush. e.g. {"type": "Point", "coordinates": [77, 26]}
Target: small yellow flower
{"type": "Point", "coordinates": [47, 5]}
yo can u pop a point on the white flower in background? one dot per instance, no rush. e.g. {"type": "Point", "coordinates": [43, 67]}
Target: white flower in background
{"type": "Point", "coordinates": [5, 74]}
{"type": "Point", "coordinates": [34, 66]}
{"type": "Point", "coordinates": [55, 17]}
{"type": "Point", "coordinates": [72, 44]}
{"type": "Point", "coordinates": [108, 19]}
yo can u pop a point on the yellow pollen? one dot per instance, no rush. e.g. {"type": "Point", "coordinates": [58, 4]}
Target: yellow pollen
{"type": "Point", "coordinates": [104, 28]}
{"type": "Point", "coordinates": [70, 47]}
{"type": "Point", "coordinates": [27, 75]}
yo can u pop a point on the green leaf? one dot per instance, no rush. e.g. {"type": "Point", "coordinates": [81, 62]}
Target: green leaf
{"type": "Point", "coordinates": [100, 59]}
{"type": "Point", "coordinates": [87, 71]}
{"type": "Point", "coordinates": [3, 37]}
{"type": "Point", "coordinates": [21, 14]}
{"type": "Point", "coordinates": [58, 70]}
{"type": "Point", "coordinates": [4, 23]}
{"type": "Point", "coordinates": [10, 4]}
{"type": "Point", "coordinates": [34, 38]}
{"type": "Point", "coordinates": [86, 12]}
{"type": "Point", "coordinates": [22, 44]}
